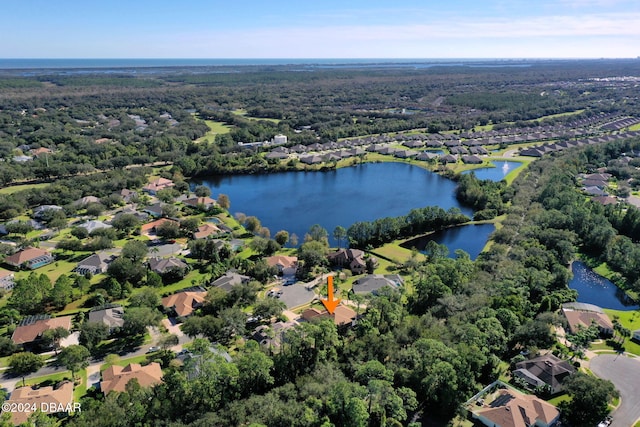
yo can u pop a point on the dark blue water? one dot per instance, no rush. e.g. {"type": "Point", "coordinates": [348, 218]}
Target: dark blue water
{"type": "Point", "coordinates": [294, 201]}
{"type": "Point", "coordinates": [470, 238]}
{"type": "Point", "coordinates": [498, 173]}
{"type": "Point", "coordinates": [595, 289]}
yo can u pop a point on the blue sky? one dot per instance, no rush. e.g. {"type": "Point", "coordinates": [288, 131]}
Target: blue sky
{"type": "Point", "coordinates": [320, 29]}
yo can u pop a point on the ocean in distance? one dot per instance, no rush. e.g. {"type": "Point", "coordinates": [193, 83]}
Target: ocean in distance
{"type": "Point", "coordinates": [110, 63]}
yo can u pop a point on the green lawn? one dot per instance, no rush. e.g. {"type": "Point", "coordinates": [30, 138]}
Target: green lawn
{"type": "Point", "coordinates": [396, 253]}
{"type": "Point", "coordinates": [215, 128]}
{"type": "Point", "coordinates": [242, 112]}
{"type": "Point", "coordinates": [15, 188]}
{"type": "Point", "coordinates": [630, 320]}
{"type": "Point", "coordinates": [124, 362]}
{"type": "Point", "coordinates": [555, 401]}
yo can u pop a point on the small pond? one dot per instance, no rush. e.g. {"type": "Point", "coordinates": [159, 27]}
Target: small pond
{"type": "Point", "coordinates": [497, 173]}
{"type": "Point", "coordinates": [470, 238]}
{"type": "Point", "coordinates": [595, 289]}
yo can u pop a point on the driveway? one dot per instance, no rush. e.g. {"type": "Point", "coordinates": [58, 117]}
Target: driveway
{"type": "Point", "coordinates": [624, 373]}
{"type": "Point", "coordinates": [296, 295]}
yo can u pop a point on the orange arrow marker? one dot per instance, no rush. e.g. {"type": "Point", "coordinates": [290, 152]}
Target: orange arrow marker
{"type": "Point", "coordinates": [330, 303]}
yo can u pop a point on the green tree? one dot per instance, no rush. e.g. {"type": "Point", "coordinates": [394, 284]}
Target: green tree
{"type": "Point", "coordinates": [62, 292]}
{"type": "Point", "coordinates": [339, 233]}
{"type": "Point", "coordinates": [74, 358]}
{"type": "Point", "coordinates": [252, 224]}
{"type": "Point", "coordinates": [134, 250]}
{"type": "Point", "coordinates": [202, 191]}
{"type": "Point", "coordinates": [223, 201]}
{"type": "Point", "coordinates": [590, 398]}
{"type": "Point", "coordinates": [30, 293]}
{"type": "Point", "coordinates": [92, 333]}
{"type": "Point", "coordinates": [266, 308]}
{"type": "Point", "coordinates": [168, 230]}
{"type": "Point", "coordinates": [53, 337]}
{"type": "Point", "coordinates": [282, 237]}
{"type": "Point", "coordinates": [254, 370]}
{"type": "Point", "coordinates": [136, 319]}
{"type": "Point", "coordinates": [25, 363]}
{"type": "Point", "coordinates": [125, 222]}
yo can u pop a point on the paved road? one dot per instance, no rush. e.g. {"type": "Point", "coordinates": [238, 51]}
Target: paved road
{"type": "Point", "coordinates": [9, 381]}
{"type": "Point", "coordinates": [624, 373]}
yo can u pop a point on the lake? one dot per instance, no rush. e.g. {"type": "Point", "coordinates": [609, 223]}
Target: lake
{"type": "Point", "coordinates": [470, 238]}
{"type": "Point", "coordinates": [294, 201]}
{"type": "Point", "coordinates": [495, 174]}
{"type": "Point", "coordinates": [595, 289]}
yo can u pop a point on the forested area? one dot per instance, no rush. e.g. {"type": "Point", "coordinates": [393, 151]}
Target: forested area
{"type": "Point", "coordinates": [97, 122]}
{"type": "Point", "coordinates": [415, 354]}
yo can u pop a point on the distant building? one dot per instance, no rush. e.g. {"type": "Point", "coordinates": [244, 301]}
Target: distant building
{"type": "Point", "coordinates": [158, 184]}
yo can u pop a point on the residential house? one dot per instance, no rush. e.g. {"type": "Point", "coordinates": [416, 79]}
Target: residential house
{"type": "Point", "coordinates": [6, 279]}
{"type": "Point", "coordinates": [605, 200]}
{"type": "Point", "coordinates": [544, 370]}
{"type": "Point", "coordinates": [228, 280]}
{"type": "Point", "coordinates": [93, 225]}
{"type": "Point", "coordinates": [39, 211]}
{"type": "Point", "coordinates": [205, 230]}
{"type": "Point", "coordinates": [353, 259]}
{"type": "Point", "coordinates": [155, 210]}
{"type": "Point", "coordinates": [342, 315]}
{"type": "Point", "coordinates": [115, 378]}
{"type": "Point", "coordinates": [286, 265]}
{"type": "Point", "coordinates": [47, 399]}
{"type": "Point", "coordinates": [372, 283]}
{"type": "Point", "coordinates": [156, 185]}
{"type": "Point", "coordinates": [514, 409]}
{"type": "Point", "coordinates": [127, 195]}
{"type": "Point", "coordinates": [449, 158]}
{"type": "Point", "coordinates": [184, 302]}
{"type": "Point", "coordinates": [200, 202]}
{"type": "Point", "coordinates": [37, 152]}
{"type": "Point", "coordinates": [166, 265]}
{"type": "Point", "coordinates": [30, 258]}
{"type": "Point", "coordinates": [31, 328]}
{"type": "Point", "coordinates": [273, 335]}
{"type": "Point", "coordinates": [151, 227]}
{"type": "Point", "coordinates": [581, 316]}
{"type": "Point", "coordinates": [84, 201]}
{"type": "Point", "coordinates": [94, 264]}
{"type": "Point", "coordinates": [112, 316]}
{"type": "Point", "coordinates": [471, 160]}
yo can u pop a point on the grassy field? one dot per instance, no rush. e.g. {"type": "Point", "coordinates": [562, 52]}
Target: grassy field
{"type": "Point", "coordinates": [242, 112]}
{"type": "Point", "coordinates": [215, 128]}
{"type": "Point", "coordinates": [15, 188]}
{"type": "Point", "coordinates": [396, 253]}
{"type": "Point", "coordinates": [628, 319]}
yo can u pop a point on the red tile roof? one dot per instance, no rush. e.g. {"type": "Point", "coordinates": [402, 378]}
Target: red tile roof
{"type": "Point", "coordinates": [116, 377]}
